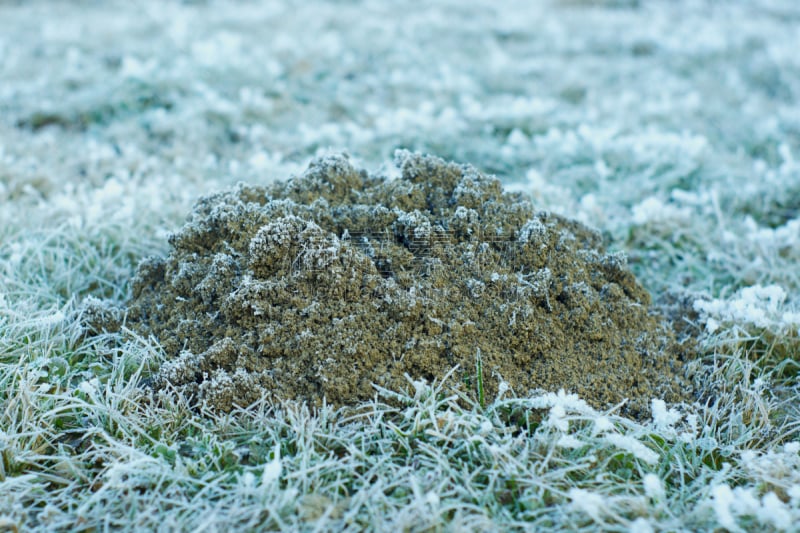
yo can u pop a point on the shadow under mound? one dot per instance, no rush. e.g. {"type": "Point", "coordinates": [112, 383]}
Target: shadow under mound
{"type": "Point", "coordinates": [320, 286]}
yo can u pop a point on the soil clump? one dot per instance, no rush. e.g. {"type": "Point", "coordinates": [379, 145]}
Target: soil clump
{"type": "Point", "coordinates": [322, 285]}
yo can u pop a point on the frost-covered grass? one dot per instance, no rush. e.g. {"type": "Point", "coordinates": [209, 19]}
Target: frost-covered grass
{"type": "Point", "coordinates": [670, 125]}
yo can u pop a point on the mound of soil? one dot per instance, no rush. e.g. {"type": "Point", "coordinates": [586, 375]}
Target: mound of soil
{"type": "Point", "coordinates": [322, 285]}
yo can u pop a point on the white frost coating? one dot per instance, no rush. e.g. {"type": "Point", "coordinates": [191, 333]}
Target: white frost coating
{"type": "Point", "coordinates": [785, 236]}
{"type": "Point", "coordinates": [781, 465]}
{"type": "Point", "coordinates": [517, 138]}
{"type": "Point", "coordinates": [774, 512]}
{"type": "Point", "coordinates": [663, 418]}
{"type": "Point", "coordinates": [431, 498]}
{"type": "Point", "coordinates": [654, 210]}
{"type": "Point", "coordinates": [172, 369]}
{"type": "Point", "coordinates": [89, 387]}
{"type": "Point", "coordinates": [722, 499]}
{"type": "Point", "coordinates": [462, 213]}
{"type": "Point", "coordinates": [712, 325]}
{"type": "Point", "coordinates": [557, 418]}
{"type": "Point", "coordinates": [281, 232]}
{"type": "Point", "coordinates": [591, 503]}
{"type": "Point", "coordinates": [502, 389]}
{"type": "Point", "coordinates": [633, 446]}
{"type": "Point", "coordinates": [566, 401]}
{"type": "Point", "coordinates": [760, 306]}
{"type": "Point", "coordinates": [532, 230]}
{"type": "Point", "coordinates": [469, 188]}
{"type": "Point", "coordinates": [601, 425]}
{"type": "Point", "coordinates": [570, 442]}
{"type": "Point", "coordinates": [653, 487]}
{"type": "Point", "coordinates": [272, 469]}
{"type": "Point", "coordinates": [641, 525]}
{"type": "Point", "coordinates": [51, 319]}
{"type": "Point", "coordinates": [418, 224]}
{"type": "Point", "coordinates": [730, 504]}
{"type": "Point", "coordinates": [247, 480]}
{"type": "Point", "coordinates": [794, 494]}
{"type": "Point", "coordinates": [320, 253]}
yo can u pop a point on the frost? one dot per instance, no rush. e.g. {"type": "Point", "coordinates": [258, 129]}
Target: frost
{"type": "Point", "coordinates": [591, 503]}
{"type": "Point", "coordinates": [557, 418]}
{"type": "Point", "coordinates": [50, 320]}
{"type": "Point", "coordinates": [272, 470]}
{"type": "Point", "coordinates": [641, 525]}
{"type": "Point", "coordinates": [653, 486]}
{"type": "Point", "coordinates": [663, 418]}
{"type": "Point", "coordinates": [563, 401]}
{"type": "Point", "coordinates": [247, 480]}
{"type": "Point", "coordinates": [722, 499]}
{"type": "Point", "coordinates": [760, 306]}
{"type": "Point", "coordinates": [570, 441]}
{"type": "Point", "coordinates": [602, 425]}
{"type": "Point", "coordinates": [653, 210]}
{"type": "Point", "coordinates": [794, 494]}
{"type": "Point", "coordinates": [774, 512]}
{"type": "Point", "coordinates": [89, 387]}
{"type": "Point", "coordinates": [633, 446]}
{"type": "Point", "coordinates": [414, 226]}
{"type": "Point", "coordinates": [462, 213]}
{"type": "Point", "coordinates": [533, 231]}
{"type": "Point", "coordinates": [729, 505]}
{"type": "Point", "coordinates": [517, 138]}
{"type": "Point", "coordinates": [784, 236]}
{"type": "Point", "coordinates": [781, 465]}
{"type": "Point", "coordinates": [179, 370]}
{"type": "Point", "coordinates": [432, 499]}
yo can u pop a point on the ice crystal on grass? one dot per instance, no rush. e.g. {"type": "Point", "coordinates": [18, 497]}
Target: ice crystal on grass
{"type": "Point", "coordinates": [591, 503]}
{"type": "Point", "coordinates": [653, 211]}
{"type": "Point", "coordinates": [653, 487]}
{"type": "Point", "coordinates": [664, 418]}
{"type": "Point", "coordinates": [734, 506]}
{"type": "Point", "coordinates": [759, 320]}
{"type": "Point", "coordinates": [759, 306]}
{"type": "Point", "coordinates": [571, 442]}
{"type": "Point", "coordinates": [633, 446]}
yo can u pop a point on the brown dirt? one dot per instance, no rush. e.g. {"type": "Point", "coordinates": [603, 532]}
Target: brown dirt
{"type": "Point", "coordinates": [334, 280]}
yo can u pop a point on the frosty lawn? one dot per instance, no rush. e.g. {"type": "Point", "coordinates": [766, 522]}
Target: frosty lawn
{"type": "Point", "coordinates": [670, 126]}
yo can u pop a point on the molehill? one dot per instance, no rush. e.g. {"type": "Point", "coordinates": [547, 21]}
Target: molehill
{"type": "Point", "coordinates": [320, 286]}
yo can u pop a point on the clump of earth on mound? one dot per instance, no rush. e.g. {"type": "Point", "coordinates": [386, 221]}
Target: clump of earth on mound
{"type": "Point", "coordinates": [322, 285]}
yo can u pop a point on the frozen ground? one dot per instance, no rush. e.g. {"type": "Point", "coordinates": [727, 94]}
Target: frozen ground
{"type": "Point", "coordinates": [674, 126]}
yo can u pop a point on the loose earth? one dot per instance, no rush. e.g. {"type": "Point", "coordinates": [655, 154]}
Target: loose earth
{"type": "Point", "coordinates": [335, 280]}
